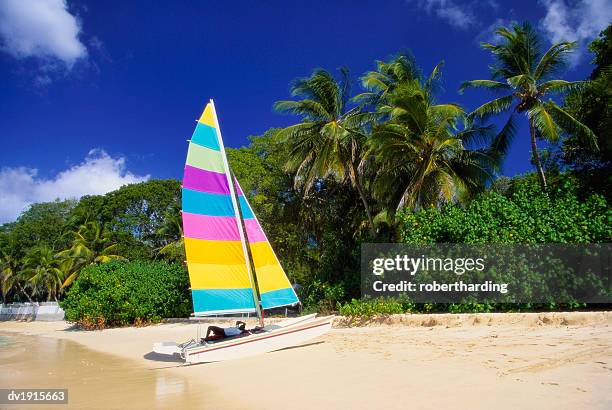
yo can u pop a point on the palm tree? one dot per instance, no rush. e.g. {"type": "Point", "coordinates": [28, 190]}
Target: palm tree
{"type": "Point", "coordinates": [379, 84]}
{"type": "Point", "coordinates": [329, 141]}
{"type": "Point", "coordinates": [524, 74]}
{"type": "Point", "coordinates": [91, 244]}
{"type": "Point", "coordinates": [42, 270]}
{"type": "Point", "coordinates": [10, 276]}
{"type": "Point", "coordinates": [420, 152]}
{"type": "Point", "coordinates": [171, 230]}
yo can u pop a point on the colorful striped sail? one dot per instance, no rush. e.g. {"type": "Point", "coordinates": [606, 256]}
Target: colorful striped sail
{"type": "Point", "coordinates": [219, 271]}
{"type": "Point", "coordinates": [274, 286]}
{"type": "Point", "coordinates": [214, 220]}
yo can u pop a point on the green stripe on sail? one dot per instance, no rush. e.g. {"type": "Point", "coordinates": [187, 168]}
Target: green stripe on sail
{"type": "Point", "coordinates": [205, 158]}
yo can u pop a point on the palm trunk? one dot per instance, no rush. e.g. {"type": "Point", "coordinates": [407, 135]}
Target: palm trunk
{"type": "Point", "coordinates": [357, 185]}
{"type": "Point", "coordinates": [24, 292]}
{"type": "Point", "coordinates": [536, 156]}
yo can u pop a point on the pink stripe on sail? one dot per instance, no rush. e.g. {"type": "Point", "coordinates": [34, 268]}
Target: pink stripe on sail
{"type": "Point", "coordinates": [213, 228]}
{"type": "Point", "coordinates": [254, 232]}
{"type": "Point", "coordinates": [205, 181]}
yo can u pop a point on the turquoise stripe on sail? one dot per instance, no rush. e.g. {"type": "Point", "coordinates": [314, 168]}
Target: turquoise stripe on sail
{"type": "Point", "coordinates": [204, 203]}
{"type": "Point", "coordinates": [245, 208]}
{"type": "Point", "coordinates": [209, 301]}
{"type": "Point", "coordinates": [280, 297]}
{"type": "Point", "coordinates": [206, 136]}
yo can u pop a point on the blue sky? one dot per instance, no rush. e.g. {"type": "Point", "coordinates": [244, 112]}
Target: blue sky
{"type": "Point", "coordinates": [98, 94]}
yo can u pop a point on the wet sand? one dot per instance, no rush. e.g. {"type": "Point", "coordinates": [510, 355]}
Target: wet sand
{"type": "Point", "coordinates": [94, 380]}
{"type": "Point", "coordinates": [507, 361]}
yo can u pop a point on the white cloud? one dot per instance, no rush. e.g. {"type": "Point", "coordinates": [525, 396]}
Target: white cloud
{"type": "Point", "coordinates": [40, 28]}
{"type": "Point", "coordinates": [579, 21]}
{"type": "Point", "coordinates": [99, 173]}
{"type": "Point", "coordinates": [460, 17]}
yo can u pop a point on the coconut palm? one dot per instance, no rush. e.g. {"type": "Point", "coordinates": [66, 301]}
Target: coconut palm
{"type": "Point", "coordinates": [11, 276]}
{"type": "Point", "coordinates": [171, 230]}
{"type": "Point", "coordinates": [420, 153]}
{"type": "Point", "coordinates": [91, 244]}
{"type": "Point", "coordinates": [389, 75]}
{"type": "Point", "coordinates": [329, 140]}
{"type": "Point", "coordinates": [42, 270]}
{"type": "Point", "coordinates": [524, 74]}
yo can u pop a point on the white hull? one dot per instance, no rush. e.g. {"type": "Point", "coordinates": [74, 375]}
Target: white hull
{"type": "Point", "coordinates": [278, 336]}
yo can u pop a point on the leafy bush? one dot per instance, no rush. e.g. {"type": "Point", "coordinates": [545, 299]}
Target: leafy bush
{"type": "Point", "coordinates": [124, 293]}
{"type": "Point", "coordinates": [321, 297]}
{"type": "Point", "coordinates": [522, 215]}
{"type": "Point", "coordinates": [366, 308]}
{"type": "Point", "coordinates": [514, 211]}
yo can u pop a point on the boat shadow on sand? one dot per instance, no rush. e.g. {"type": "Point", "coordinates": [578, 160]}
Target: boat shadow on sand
{"type": "Point", "coordinates": [166, 358]}
{"type": "Point", "coordinates": [158, 357]}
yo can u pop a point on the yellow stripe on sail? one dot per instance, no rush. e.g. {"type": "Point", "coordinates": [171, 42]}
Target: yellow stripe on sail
{"type": "Point", "coordinates": [214, 252]}
{"type": "Point", "coordinates": [271, 277]}
{"type": "Point", "coordinates": [206, 276]}
{"type": "Point", "coordinates": [207, 116]}
{"type": "Point", "coordinates": [262, 254]}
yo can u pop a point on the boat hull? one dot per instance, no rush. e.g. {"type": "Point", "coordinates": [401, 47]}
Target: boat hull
{"type": "Point", "coordinates": [288, 333]}
{"type": "Point", "coordinates": [258, 343]}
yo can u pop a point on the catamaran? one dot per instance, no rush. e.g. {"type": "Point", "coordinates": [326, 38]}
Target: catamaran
{"type": "Point", "coordinates": [232, 266]}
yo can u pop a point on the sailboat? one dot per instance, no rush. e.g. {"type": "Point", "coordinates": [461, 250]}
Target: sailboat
{"type": "Point", "coordinates": [232, 266]}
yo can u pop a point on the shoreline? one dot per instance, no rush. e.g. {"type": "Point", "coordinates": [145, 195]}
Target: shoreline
{"type": "Point", "coordinates": [561, 359]}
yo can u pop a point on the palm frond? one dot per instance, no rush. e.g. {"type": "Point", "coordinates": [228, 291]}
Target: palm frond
{"type": "Point", "coordinates": [431, 83]}
{"type": "Point", "coordinates": [492, 107]}
{"type": "Point", "coordinates": [310, 109]}
{"type": "Point", "coordinates": [521, 81]}
{"type": "Point", "coordinates": [561, 86]}
{"type": "Point", "coordinates": [503, 140]}
{"type": "Point", "coordinates": [543, 122]}
{"type": "Point", "coordinates": [553, 59]}
{"type": "Point", "coordinates": [570, 124]}
{"type": "Point", "coordinates": [488, 84]}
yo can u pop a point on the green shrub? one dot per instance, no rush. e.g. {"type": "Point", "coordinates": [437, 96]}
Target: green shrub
{"type": "Point", "coordinates": [321, 297]}
{"type": "Point", "coordinates": [366, 308]}
{"type": "Point", "coordinates": [515, 211]}
{"type": "Point", "coordinates": [125, 293]}
{"type": "Point", "coordinates": [522, 215]}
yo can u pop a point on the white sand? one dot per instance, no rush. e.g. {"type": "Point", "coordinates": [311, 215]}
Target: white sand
{"type": "Point", "coordinates": [506, 361]}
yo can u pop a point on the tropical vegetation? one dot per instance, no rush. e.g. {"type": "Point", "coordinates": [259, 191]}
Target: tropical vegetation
{"type": "Point", "coordinates": [526, 76]}
{"type": "Point", "coordinates": [120, 293]}
{"type": "Point", "coordinates": [388, 163]}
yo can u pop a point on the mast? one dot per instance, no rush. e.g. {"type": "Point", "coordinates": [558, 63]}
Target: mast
{"type": "Point", "coordinates": [239, 220]}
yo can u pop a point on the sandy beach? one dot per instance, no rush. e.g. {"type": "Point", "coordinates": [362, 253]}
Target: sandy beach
{"type": "Point", "coordinates": [506, 361]}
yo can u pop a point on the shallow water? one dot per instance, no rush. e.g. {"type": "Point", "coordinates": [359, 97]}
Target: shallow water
{"type": "Point", "coordinates": [93, 379]}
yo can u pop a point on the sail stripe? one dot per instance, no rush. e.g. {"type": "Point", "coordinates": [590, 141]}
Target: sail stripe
{"type": "Point", "coordinates": [214, 252]}
{"type": "Point", "coordinates": [205, 181]}
{"type": "Point", "coordinates": [271, 277]}
{"type": "Point", "coordinates": [254, 232]}
{"type": "Point", "coordinates": [280, 297]}
{"type": "Point", "coordinates": [247, 213]}
{"type": "Point", "coordinates": [211, 301]}
{"type": "Point", "coordinates": [205, 158]}
{"type": "Point", "coordinates": [209, 276]}
{"type": "Point", "coordinates": [207, 116]}
{"type": "Point", "coordinates": [217, 228]}
{"type": "Point", "coordinates": [238, 190]}
{"type": "Point", "coordinates": [262, 254]}
{"type": "Point", "coordinates": [203, 203]}
{"type": "Point", "coordinates": [205, 136]}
